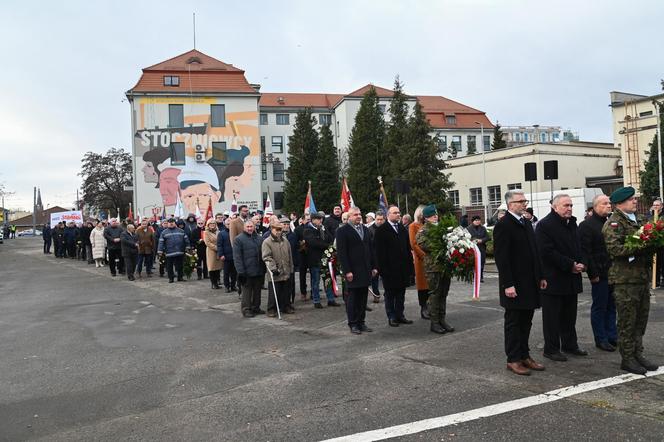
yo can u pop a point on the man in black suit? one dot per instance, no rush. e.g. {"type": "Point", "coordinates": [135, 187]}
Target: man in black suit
{"type": "Point", "coordinates": [562, 265]}
{"type": "Point", "coordinates": [357, 261]}
{"type": "Point", "coordinates": [519, 280]}
{"type": "Point", "coordinates": [395, 265]}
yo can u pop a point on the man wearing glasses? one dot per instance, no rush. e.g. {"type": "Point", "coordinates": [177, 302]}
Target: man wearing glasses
{"type": "Point", "coordinates": [520, 281]}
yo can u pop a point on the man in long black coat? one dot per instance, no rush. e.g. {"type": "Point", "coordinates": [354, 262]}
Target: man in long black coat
{"type": "Point", "coordinates": [395, 265]}
{"type": "Point", "coordinates": [562, 264]}
{"type": "Point", "coordinates": [358, 265]}
{"type": "Point", "coordinates": [520, 280]}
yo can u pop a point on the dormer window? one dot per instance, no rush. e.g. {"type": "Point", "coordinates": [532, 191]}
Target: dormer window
{"type": "Point", "coordinates": [171, 80]}
{"type": "Point", "coordinates": [450, 119]}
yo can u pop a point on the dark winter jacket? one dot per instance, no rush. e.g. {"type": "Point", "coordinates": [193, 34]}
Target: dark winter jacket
{"type": "Point", "coordinates": [70, 234]}
{"type": "Point", "coordinates": [558, 242]}
{"type": "Point", "coordinates": [356, 255]}
{"type": "Point", "coordinates": [594, 248]}
{"type": "Point", "coordinates": [247, 254]}
{"type": "Point", "coordinates": [58, 235]}
{"type": "Point", "coordinates": [393, 256]}
{"type": "Point", "coordinates": [84, 235]}
{"type": "Point", "coordinates": [173, 242]}
{"type": "Point", "coordinates": [224, 247]}
{"type": "Point", "coordinates": [331, 224]}
{"type": "Point", "coordinates": [111, 233]}
{"type": "Point", "coordinates": [317, 241]}
{"type": "Point", "coordinates": [128, 243]}
{"type": "Point", "coordinates": [479, 232]}
{"type": "Point", "coordinates": [46, 234]}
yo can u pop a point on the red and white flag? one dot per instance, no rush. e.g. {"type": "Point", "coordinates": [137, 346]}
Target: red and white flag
{"type": "Point", "coordinates": [267, 212]}
{"type": "Point", "coordinates": [309, 205]}
{"type": "Point", "coordinates": [208, 215]}
{"type": "Point", "coordinates": [346, 197]}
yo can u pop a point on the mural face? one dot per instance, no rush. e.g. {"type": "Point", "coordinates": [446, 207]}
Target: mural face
{"type": "Point", "coordinates": [198, 160]}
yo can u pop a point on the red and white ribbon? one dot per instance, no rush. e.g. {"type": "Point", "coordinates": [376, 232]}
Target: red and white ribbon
{"type": "Point", "coordinates": [477, 274]}
{"type": "Point", "coordinates": [333, 277]}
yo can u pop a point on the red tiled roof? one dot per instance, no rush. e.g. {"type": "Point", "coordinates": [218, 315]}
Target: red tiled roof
{"type": "Point", "coordinates": [380, 91]}
{"type": "Point", "coordinates": [438, 109]}
{"type": "Point", "coordinates": [434, 103]}
{"type": "Point", "coordinates": [198, 73]}
{"type": "Point", "coordinates": [299, 100]}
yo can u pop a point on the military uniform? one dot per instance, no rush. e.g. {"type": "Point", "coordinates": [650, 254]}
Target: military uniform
{"type": "Point", "coordinates": [629, 274]}
{"type": "Point", "coordinates": [439, 286]}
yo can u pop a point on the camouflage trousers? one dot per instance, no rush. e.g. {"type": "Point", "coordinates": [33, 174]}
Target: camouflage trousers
{"type": "Point", "coordinates": [439, 286]}
{"type": "Point", "coordinates": [632, 306]}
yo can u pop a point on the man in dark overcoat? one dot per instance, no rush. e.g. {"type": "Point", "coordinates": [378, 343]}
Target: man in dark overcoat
{"type": "Point", "coordinates": [519, 279]}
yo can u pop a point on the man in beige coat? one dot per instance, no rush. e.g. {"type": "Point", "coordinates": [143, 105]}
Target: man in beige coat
{"type": "Point", "coordinates": [237, 224]}
{"type": "Point", "coordinates": [278, 258]}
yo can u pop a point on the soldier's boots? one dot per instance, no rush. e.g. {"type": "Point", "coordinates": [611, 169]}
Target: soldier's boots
{"type": "Point", "coordinates": [632, 366]}
{"type": "Point", "coordinates": [648, 365]}
{"type": "Point", "coordinates": [437, 328]}
{"type": "Point", "coordinates": [448, 328]}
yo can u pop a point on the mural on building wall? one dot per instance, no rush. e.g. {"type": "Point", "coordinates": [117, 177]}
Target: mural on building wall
{"type": "Point", "coordinates": [198, 162]}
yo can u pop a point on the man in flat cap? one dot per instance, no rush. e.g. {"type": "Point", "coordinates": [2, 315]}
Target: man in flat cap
{"type": "Point", "coordinates": [629, 274]}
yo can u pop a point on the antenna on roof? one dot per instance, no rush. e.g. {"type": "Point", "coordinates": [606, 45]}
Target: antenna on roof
{"type": "Point", "coordinates": [194, 30]}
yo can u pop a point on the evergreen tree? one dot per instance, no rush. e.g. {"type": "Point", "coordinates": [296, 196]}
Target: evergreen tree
{"type": "Point", "coordinates": [421, 164]}
{"type": "Point", "coordinates": [498, 140]}
{"type": "Point", "coordinates": [302, 149]}
{"type": "Point", "coordinates": [395, 137]}
{"type": "Point", "coordinates": [365, 152]}
{"type": "Point", "coordinates": [649, 176]}
{"type": "Point", "coordinates": [325, 173]}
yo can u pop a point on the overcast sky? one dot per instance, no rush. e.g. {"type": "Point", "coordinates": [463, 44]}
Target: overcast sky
{"type": "Point", "coordinates": [67, 64]}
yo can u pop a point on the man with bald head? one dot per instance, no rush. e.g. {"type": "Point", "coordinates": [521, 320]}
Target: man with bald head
{"type": "Point", "coordinates": [562, 265]}
{"type": "Point", "coordinates": [603, 310]}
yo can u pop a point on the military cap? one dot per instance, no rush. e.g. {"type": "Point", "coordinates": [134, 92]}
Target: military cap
{"type": "Point", "coordinates": [429, 210]}
{"type": "Point", "coordinates": [622, 194]}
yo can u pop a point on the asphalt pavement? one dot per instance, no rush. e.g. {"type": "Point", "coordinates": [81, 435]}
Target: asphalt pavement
{"type": "Point", "coordinates": [86, 356]}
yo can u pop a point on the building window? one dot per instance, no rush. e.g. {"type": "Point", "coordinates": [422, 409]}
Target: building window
{"type": "Point", "coordinates": [517, 137]}
{"type": "Point", "coordinates": [442, 143]}
{"type": "Point", "coordinates": [645, 114]}
{"type": "Point", "coordinates": [277, 144]}
{"type": "Point", "coordinates": [456, 142]}
{"type": "Point", "coordinates": [543, 137]}
{"type": "Point", "coordinates": [171, 80]}
{"type": "Point", "coordinates": [262, 145]}
{"type": "Point", "coordinates": [263, 119]}
{"type": "Point", "coordinates": [472, 147]}
{"type": "Point", "coordinates": [556, 137]}
{"type": "Point", "coordinates": [381, 108]}
{"type": "Point", "coordinates": [218, 113]}
{"type": "Point", "coordinates": [219, 153]}
{"type": "Point", "coordinates": [282, 119]}
{"type": "Point", "coordinates": [454, 197]}
{"type": "Point", "coordinates": [514, 186]}
{"type": "Point", "coordinates": [494, 194]}
{"type": "Point", "coordinates": [278, 200]}
{"type": "Point", "coordinates": [325, 119]}
{"type": "Point", "coordinates": [525, 137]}
{"type": "Point", "coordinates": [278, 171]}
{"type": "Point", "coordinates": [175, 115]}
{"type": "Point", "coordinates": [177, 154]}
{"type": "Point", "coordinates": [476, 196]}
{"type": "Point", "coordinates": [264, 172]}
{"type": "Point", "coordinates": [450, 119]}
{"type": "Point", "coordinates": [487, 143]}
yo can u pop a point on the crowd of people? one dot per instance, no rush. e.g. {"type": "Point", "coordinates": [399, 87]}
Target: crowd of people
{"type": "Point", "coordinates": [537, 267]}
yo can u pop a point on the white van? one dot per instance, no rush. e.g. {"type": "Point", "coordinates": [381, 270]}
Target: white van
{"type": "Point", "coordinates": [540, 202]}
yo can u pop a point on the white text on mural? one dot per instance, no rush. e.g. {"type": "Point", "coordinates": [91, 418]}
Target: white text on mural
{"type": "Point", "coordinates": [158, 138]}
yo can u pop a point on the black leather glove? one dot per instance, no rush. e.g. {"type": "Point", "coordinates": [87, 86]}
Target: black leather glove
{"type": "Point", "coordinates": [276, 272]}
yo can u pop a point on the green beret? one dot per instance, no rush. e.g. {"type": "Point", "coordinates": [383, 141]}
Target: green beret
{"type": "Point", "coordinates": [429, 210]}
{"type": "Point", "coordinates": [622, 194]}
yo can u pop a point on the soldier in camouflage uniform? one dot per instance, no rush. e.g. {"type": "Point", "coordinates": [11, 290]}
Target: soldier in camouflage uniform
{"type": "Point", "coordinates": [630, 275]}
{"type": "Point", "coordinates": [439, 284]}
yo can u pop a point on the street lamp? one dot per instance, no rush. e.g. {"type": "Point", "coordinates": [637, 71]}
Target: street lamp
{"type": "Point", "coordinates": [484, 189]}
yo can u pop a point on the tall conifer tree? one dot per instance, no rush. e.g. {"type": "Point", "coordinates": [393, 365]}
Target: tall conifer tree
{"type": "Point", "coordinates": [325, 174]}
{"type": "Point", "coordinates": [395, 137]}
{"type": "Point", "coordinates": [498, 138]}
{"type": "Point", "coordinates": [365, 152]}
{"type": "Point", "coordinates": [302, 150]}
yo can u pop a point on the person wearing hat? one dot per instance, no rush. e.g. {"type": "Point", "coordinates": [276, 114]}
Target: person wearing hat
{"type": "Point", "coordinates": [629, 274]}
{"type": "Point", "coordinates": [199, 184]}
{"type": "Point", "coordinates": [438, 283]}
{"type": "Point", "coordinates": [317, 240]}
{"type": "Point", "coordinates": [290, 236]}
{"type": "Point", "coordinates": [480, 236]}
{"type": "Point", "coordinates": [278, 258]}
{"type": "Point", "coordinates": [225, 255]}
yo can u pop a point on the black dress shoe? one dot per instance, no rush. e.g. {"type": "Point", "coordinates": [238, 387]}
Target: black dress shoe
{"type": "Point", "coordinates": [577, 352]}
{"type": "Point", "coordinates": [648, 365]}
{"type": "Point", "coordinates": [632, 366]}
{"type": "Point", "coordinates": [258, 311]}
{"type": "Point", "coordinates": [558, 356]}
{"type": "Point", "coordinates": [393, 322]}
{"type": "Point", "coordinates": [333, 304]}
{"type": "Point", "coordinates": [614, 343]}
{"type": "Point", "coordinates": [248, 314]}
{"type": "Point", "coordinates": [180, 279]}
{"type": "Point", "coordinates": [404, 321]}
{"type": "Point", "coordinates": [424, 313]}
{"type": "Point", "coordinates": [448, 328]}
{"type": "Point", "coordinates": [364, 328]}
{"type": "Point", "coordinates": [355, 330]}
{"type": "Point", "coordinates": [170, 280]}
{"type": "Point", "coordinates": [605, 346]}
{"type": "Point", "coordinates": [318, 305]}
{"type": "Point", "coordinates": [369, 309]}
{"type": "Point", "coordinates": [437, 328]}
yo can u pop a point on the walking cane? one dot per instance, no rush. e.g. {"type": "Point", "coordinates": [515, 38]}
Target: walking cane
{"type": "Point", "coordinates": [274, 289]}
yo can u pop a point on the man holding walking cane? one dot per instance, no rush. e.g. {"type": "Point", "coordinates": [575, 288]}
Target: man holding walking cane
{"type": "Point", "coordinates": [278, 258]}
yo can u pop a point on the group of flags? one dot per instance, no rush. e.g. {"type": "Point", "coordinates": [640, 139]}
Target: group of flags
{"type": "Point", "coordinates": [346, 201]}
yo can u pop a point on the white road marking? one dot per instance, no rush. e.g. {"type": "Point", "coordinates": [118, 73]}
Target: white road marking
{"type": "Point", "coordinates": [491, 410]}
